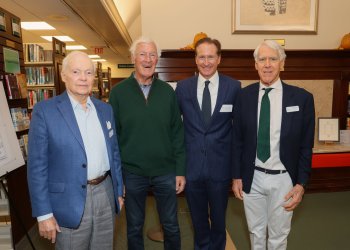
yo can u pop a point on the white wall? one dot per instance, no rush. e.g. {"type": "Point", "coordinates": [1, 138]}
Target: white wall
{"type": "Point", "coordinates": [173, 24]}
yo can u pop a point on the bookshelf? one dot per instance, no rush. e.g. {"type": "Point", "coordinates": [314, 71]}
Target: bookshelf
{"type": "Point", "coordinates": [16, 181]}
{"type": "Point", "coordinates": [96, 88]}
{"type": "Point", "coordinates": [43, 65]}
{"type": "Point", "coordinates": [106, 84]}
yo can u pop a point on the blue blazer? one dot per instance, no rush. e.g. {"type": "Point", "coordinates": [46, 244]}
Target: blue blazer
{"type": "Point", "coordinates": [210, 145]}
{"type": "Point", "coordinates": [296, 140]}
{"type": "Point", "coordinates": [57, 172]}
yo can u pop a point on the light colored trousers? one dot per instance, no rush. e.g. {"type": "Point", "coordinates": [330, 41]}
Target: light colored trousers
{"type": "Point", "coordinates": [96, 229]}
{"type": "Point", "coordinates": [266, 217]}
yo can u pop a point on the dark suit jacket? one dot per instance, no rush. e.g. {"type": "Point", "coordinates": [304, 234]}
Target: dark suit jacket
{"type": "Point", "coordinates": [296, 140]}
{"type": "Point", "coordinates": [210, 145]}
{"type": "Point", "coordinates": [57, 163]}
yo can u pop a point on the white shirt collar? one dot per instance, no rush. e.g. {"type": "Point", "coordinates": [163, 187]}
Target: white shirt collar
{"type": "Point", "coordinates": [214, 80]}
{"type": "Point", "coordinates": [276, 85]}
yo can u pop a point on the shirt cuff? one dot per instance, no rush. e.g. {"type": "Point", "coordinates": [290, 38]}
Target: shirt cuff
{"type": "Point", "coordinates": [44, 217]}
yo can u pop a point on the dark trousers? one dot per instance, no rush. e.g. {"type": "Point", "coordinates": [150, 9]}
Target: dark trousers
{"type": "Point", "coordinates": [208, 199]}
{"type": "Point", "coordinates": [136, 189]}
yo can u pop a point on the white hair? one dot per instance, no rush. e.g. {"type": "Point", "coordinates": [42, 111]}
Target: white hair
{"type": "Point", "coordinates": [273, 45]}
{"type": "Point", "coordinates": [140, 40]}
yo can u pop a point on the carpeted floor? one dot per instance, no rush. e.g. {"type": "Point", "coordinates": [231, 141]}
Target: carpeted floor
{"type": "Point", "coordinates": [321, 222]}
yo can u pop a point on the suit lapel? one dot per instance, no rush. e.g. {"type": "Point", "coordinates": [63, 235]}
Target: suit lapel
{"type": "Point", "coordinates": [222, 91]}
{"type": "Point", "coordinates": [287, 100]}
{"type": "Point", "coordinates": [65, 107]}
{"type": "Point", "coordinates": [253, 107]}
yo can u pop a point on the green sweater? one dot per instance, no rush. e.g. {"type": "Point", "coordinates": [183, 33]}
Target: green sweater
{"type": "Point", "coordinates": [150, 132]}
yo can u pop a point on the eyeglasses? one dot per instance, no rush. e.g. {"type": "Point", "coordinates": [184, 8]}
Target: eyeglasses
{"type": "Point", "coordinates": [208, 58]}
{"type": "Point", "coordinates": [263, 60]}
{"type": "Point", "coordinates": [144, 55]}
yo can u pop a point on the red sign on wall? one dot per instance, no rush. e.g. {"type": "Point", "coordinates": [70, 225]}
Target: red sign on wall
{"type": "Point", "coordinates": [98, 51]}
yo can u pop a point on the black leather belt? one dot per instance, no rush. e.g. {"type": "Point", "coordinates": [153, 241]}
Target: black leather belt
{"type": "Point", "coordinates": [98, 180]}
{"type": "Point", "coordinates": [269, 171]}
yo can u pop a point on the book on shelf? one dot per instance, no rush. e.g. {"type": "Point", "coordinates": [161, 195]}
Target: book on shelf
{"type": "Point", "coordinates": [20, 118]}
{"type": "Point", "coordinates": [11, 87]}
{"type": "Point", "coordinates": [23, 143]}
{"type": "Point", "coordinates": [37, 95]}
{"type": "Point", "coordinates": [36, 53]}
{"type": "Point", "coordinates": [40, 75]}
{"type": "Point", "coordinates": [22, 84]}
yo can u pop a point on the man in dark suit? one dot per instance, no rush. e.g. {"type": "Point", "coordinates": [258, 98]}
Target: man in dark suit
{"type": "Point", "coordinates": [207, 102]}
{"type": "Point", "coordinates": [74, 169]}
{"type": "Point", "coordinates": [272, 151]}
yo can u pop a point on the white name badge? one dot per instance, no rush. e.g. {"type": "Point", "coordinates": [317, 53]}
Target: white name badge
{"type": "Point", "coordinates": [292, 109]}
{"type": "Point", "coordinates": [226, 108]}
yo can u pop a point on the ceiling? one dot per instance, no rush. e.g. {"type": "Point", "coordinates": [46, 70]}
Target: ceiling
{"type": "Point", "coordinates": [92, 23]}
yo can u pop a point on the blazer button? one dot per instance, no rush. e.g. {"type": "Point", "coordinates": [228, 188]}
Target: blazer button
{"type": "Point", "coordinates": [84, 165]}
{"type": "Point", "coordinates": [83, 186]}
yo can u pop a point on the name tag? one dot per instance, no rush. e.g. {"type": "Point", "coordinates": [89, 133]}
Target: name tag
{"type": "Point", "coordinates": [292, 109]}
{"type": "Point", "coordinates": [226, 108]}
{"type": "Point", "coordinates": [110, 133]}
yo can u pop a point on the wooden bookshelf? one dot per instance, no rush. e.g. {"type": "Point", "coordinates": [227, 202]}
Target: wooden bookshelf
{"type": "Point", "coordinates": [16, 180]}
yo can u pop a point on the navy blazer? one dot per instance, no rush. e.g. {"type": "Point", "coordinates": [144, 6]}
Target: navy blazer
{"type": "Point", "coordinates": [57, 163]}
{"type": "Point", "coordinates": [296, 139]}
{"type": "Point", "coordinates": [210, 145]}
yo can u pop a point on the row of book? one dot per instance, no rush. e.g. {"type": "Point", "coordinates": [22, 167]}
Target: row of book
{"type": "Point", "coordinates": [23, 144]}
{"type": "Point", "coordinates": [15, 85]}
{"type": "Point", "coordinates": [40, 75]}
{"type": "Point", "coordinates": [36, 53]}
{"type": "Point", "coordinates": [20, 118]}
{"type": "Point", "coordinates": [38, 95]}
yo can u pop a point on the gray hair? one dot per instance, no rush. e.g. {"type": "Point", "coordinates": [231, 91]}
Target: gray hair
{"type": "Point", "coordinates": [71, 55]}
{"type": "Point", "coordinates": [273, 45]}
{"type": "Point", "coordinates": [140, 40]}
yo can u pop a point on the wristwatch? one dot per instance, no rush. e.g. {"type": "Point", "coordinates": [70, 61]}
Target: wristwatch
{"type": "Point", "coordinates": [303, 185]}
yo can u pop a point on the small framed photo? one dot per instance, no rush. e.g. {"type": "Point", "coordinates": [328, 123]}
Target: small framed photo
{"type": "Point", "coordinates": [328, 129]}
{"type": "Point", "coordinates": [16, 27]}
{"type": "Point", "coordinates": [2, 21]}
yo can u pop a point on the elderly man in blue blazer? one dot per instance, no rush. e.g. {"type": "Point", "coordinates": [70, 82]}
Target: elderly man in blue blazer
{"type": "Point", "coordinates": [207, 102]}
{"type": "Point", "coordinates": [273, 140]}
{"type": "Point", "coordinates": [74, 169]}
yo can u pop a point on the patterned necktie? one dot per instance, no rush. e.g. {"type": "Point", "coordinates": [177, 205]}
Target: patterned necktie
{"type": "Point", "coordinates": [263, 147]}
{"type": "Point", "coordinates": [206, 104]}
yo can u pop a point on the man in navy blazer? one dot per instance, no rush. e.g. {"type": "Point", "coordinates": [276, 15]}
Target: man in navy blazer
{"type": "Point", "coordinates": [270, 175]}
{"type": "Point", "coordinates": [74, 169]}
{"type": "Point", "coordinates": [208, 138]}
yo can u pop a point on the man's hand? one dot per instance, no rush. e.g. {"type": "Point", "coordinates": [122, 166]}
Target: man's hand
{"type": "Point", "coordinates": [237, 188]}
{"type": "Point", "coordinates": [48, 229]}
{"type": "Point", "coordinates": [121, 202]}
{"type": "Point", "coordinates": [180, 184]}
{"type": "Point", "coordinates": [294, 196]}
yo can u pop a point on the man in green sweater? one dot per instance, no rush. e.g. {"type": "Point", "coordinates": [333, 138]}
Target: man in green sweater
{"type": "Point", "coordinates": [151, 141]}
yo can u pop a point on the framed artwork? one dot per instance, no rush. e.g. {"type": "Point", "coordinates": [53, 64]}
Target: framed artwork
{"type": "Point", "coordinates": [2, 21]}
{"type": "Point", "coordinates": [16, 27]}
{"type": "Point", "coordinates": [274, 16]}
{"type": "Point", "coordinates": [328, 129]}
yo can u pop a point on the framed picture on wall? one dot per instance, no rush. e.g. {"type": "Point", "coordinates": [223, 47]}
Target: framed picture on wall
{"type": "Point", "coordinates": [328, 129]}
{"type": "Point", "coordinates": [274, 16]}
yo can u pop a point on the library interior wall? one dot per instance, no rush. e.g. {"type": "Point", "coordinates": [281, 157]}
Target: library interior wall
{"type": "Point", "coordinates": [173, 24]}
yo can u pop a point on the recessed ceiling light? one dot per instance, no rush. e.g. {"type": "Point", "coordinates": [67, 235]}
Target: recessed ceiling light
{"type": "Point", "coordinates": [99, 60]}
{"type": "Point", "coordinates": [36, 26]}
{"type": "Point", "coordinates": [61, 38]}
{"type": "Point", "coordinates": [75, 47]}
{"type": "Point", "coordinates": [94, 56]}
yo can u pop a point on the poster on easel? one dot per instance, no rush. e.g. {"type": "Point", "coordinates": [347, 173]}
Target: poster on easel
{"type": "Point", "coordinates": [10, 153]}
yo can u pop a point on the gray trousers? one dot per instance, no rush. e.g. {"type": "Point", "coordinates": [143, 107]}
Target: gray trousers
{"type": "Point", "coordinates": [96, 229]}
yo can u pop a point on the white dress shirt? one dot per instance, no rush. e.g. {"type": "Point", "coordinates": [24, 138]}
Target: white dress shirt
{"type": "Point", "coordinates": [275, 96]}
{"type": "Point", "coordinates": [213, 89]}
